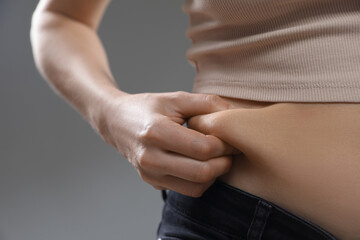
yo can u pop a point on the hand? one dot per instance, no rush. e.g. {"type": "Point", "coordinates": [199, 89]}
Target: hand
{"type": "Point", "coordinates": [231, 126]}
{"type": "Point", "coordinates": [147, 130]}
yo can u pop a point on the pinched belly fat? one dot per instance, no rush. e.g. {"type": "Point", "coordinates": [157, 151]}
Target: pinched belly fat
{"type": "Point", "coordinates": [303, 157]}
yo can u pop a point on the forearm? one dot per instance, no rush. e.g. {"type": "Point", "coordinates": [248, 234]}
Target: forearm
{"type": "Point", "coordinates": [70, 56]}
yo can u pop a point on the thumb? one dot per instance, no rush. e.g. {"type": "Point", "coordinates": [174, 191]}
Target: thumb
{"type": "Point", "coordinates": [191, 104]}
{"type": "Point", "coordinates": [205, 125]}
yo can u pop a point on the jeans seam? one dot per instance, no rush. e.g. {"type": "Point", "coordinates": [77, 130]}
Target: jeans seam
{"type": "Point", "coordinates": [261, 214]}
{"type": "Point", "coordinates": [203, 224]}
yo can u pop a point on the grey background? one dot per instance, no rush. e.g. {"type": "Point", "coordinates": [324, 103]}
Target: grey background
{"type": "Point", "coordinates": [58, 179]}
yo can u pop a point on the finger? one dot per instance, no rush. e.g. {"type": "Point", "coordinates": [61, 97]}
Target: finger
{"type": "Point", "coordinates": [205, 124]}
{"type": "Point", "coordinates": [192, 143]}
{"type": "Point", "coordinates": [202, 123]}
{"type": "Point", "coordinates": [149, 179]}
{"type": "Point", "coordinates": [216, 123]}
{"type": "Point", "coordinates": [179, 185]}
{"type": "Point", "coordinates": [167, 163]}
{"type": "Point", "coordinates": [191, 104]}
{"type": "Point", "coordinates": [231, 126]}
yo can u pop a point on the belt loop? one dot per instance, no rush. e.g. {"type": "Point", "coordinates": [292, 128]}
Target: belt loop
{"type": "Point", "coordinates": [164, 195]}
{"type": "Point", "coordinates": [258, 222]}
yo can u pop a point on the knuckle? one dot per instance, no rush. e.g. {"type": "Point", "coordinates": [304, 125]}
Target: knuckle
{"type": "Point", "coordinates": [181, 93]}
{"type": "Point", "coordinates": [212, 99]}
{"type": "Point", "coordinates": [144, 160]}
{"type": "Point", "coordinates": [205, 173]}
{"type": "Point", "coordinates": [149, 132]}
{"type": "Point", "coordinates": [204, 150]}
{"type": "Point", "coordinates": [178, 96]}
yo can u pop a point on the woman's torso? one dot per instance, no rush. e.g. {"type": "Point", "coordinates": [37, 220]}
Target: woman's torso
{"type": "Point", "coordinates": [306, 159]}
{"type": "Point", "coordinates": [303, 156]}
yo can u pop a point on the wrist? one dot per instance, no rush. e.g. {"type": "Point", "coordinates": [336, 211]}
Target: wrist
{"type": "Point", "coordinates": [101, 105]}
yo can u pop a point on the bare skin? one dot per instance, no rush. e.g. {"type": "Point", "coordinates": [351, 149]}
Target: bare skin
{"type": "Point", "coordinates": [304, 157]}
{"type": "Point", "coordinates": [70, 56]}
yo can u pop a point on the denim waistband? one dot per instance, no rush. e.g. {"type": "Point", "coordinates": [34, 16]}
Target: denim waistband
{"type": "Point", "coordinates": [243, 214]}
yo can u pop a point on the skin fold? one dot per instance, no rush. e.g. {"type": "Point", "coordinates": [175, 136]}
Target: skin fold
{"type": "Point", "coordinates": [303, 157]}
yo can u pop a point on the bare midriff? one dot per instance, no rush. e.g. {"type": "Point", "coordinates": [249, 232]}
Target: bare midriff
{"type": "Point", "coordinates": [304, 157]}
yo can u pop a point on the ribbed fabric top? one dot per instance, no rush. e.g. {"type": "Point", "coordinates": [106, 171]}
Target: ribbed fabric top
{"type": "Point", "coordinates": [276, 50]}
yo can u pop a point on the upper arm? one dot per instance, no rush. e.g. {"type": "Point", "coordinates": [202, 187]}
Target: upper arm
{"type": "Point", "coordinates": [88, 12]}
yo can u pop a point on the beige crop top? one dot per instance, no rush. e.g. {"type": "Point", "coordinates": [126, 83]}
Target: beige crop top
{"type": "Point", "coordinates": [276, 50]}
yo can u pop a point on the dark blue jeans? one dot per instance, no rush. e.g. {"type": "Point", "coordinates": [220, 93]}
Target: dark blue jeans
{"type": "Point", "coordinates": [225, 212]}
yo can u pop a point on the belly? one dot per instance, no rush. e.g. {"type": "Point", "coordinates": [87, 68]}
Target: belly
{"type": "Point", "coordinates": [304, 157]}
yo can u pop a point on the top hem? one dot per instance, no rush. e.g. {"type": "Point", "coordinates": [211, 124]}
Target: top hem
{"type": "Point", "coordinates": [279, 94]}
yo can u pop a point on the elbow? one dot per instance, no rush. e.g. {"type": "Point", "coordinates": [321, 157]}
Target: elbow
{"type": "Point", "coordinates": [42, 20]}
{"type": "Point", "coordinates": [43, 25]}
{"type": "Point", "coordinates": [35, 30]}
{"type": "Point", "coordinates": [38, 20]}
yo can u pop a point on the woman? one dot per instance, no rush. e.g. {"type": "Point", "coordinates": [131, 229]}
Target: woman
{"type": "Point", "coordinates": [271, 150]}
